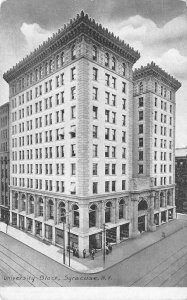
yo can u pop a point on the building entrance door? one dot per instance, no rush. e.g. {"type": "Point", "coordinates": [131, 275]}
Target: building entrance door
{"type": "Point", "coordinates": [141, 224]}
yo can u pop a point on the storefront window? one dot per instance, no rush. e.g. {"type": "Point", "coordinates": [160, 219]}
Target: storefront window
{"type": "Point", "coordinates": [38, 226]}
{"type": "Point", "coordinates": [31, 205]}
{"type": "Point", "coordinates": [48, 232]}
{"type": "Point", "coordinates": [59, 236]}
{"type": "Point", "coordinates": [14, 219]}
{"type": "Point", "coordinates": [29, 224]}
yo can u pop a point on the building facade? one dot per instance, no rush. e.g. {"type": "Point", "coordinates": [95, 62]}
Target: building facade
{"type": "Point", "coordinates": [4, 162]}
{"type": "Point", "coordinates": [74, 141]}
{"type": "Point", "coordinates": [181, 179]}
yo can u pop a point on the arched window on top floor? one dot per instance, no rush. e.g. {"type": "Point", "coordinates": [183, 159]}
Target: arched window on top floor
{"type": "Point", "coordinates": [124, 69]}
{"type": "Point", "coordinates": [106, 60]}
{"type": "Point", "coordinates": [113, 63]}
{"type": "Point", "coordinates": [156, 87]}
{"type": "Point", "coordinates": [62, 59]}
{"type": "Point", "coordinates": [94, 52]}
{"type": "Point", "coordinates": [57, 61]}
{"type": "Point", "coordinates": [50, 66]}
{"type": "Point", "coordinates": [73, 53]}
{"type": "Point", "coordinates": [141, 87]}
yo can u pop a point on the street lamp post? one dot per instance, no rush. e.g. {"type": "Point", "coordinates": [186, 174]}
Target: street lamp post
{"type": "Point", "coordinates": [104, 237]}
{"type": "Point", "coordinates": [69, 243]}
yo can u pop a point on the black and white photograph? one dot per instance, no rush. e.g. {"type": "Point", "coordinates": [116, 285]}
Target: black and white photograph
{"type": "Point", "coordinates": [93, 145]}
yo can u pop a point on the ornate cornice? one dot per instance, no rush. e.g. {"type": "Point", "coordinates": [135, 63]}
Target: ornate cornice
{"type": "Point", "coordinates": [82, 24]}
{"type": "Point", "coordinates": [153, 70]}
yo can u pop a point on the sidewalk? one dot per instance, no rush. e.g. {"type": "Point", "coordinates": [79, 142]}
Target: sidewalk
{"type": "Point", "coordinates": [119, 253]}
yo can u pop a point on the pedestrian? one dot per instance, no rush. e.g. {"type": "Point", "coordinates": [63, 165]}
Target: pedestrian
{"type": "Point", "coordinates": [77, 252]}
{"type": "Point", "coordinates": [93, 254]}
{"type": "Point", "coordinates": [84, 253]}
{"type": "Point", "coordinates": [73, 251]}
{"type": "Point", "coordinates": [107, 250]}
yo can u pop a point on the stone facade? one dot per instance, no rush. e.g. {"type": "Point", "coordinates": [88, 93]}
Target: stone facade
{"type": "Point", "coordinates": [74, 119]}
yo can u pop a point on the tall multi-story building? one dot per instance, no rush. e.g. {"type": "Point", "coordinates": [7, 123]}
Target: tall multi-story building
{"type": "Point", "coordinates": [4, 162]}
{"type": "Point", "coordinates": [181, 179]}
{"type": "Point", "coordinates": [78, 159]}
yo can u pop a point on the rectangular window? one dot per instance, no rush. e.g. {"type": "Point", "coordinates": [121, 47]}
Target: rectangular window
{"type": "Point", "coordinates": [95, 150]}
{"type": "Point", "coordinates": [73, 169]}
{"type": "Point", "coordinates": [73, 92]}
{"type": "Point", "coordinates": [95, 112]}
{"type": "Point", "coordinates": [113, 169]}
{"type": "Point", "coordinates": [73, 152]}
{"type": "Point", "coordinates": [73, 73]}
{"type": "Point", "coordinates": [113, 152]}
{"type": "Point", "coordinates": [140, 142]}
{"type": "Point", "coordinates": [95, 93]}
{"type": "Point", "coordinates": [140, 169]}
{"type": "Point", "coordinates": [107, 169]}
{"type": "Point", "coordinates": [107, 149]}
{"type": "Point", "coordinates": [124, 136]}
{"type": "Point", "coordinates": [95, 169]}
{"type": "Point", "coordinates": [114, 82]}
{"type": "Point", "coordinates": [123, 103]}
{"type": "Point", "coordinates": [95, 131]}
{"type": "Point", "coordinates": [123, 87]}
{"type": "Point", "coordinates": [113, 186]}
{"type": "Point", "coordinates": [95, 187]}
{"type": "Point", "coordinates": [107, 186]}
{"type": "Point", "coordinates": [123, 185]}
{"type": "Point", "coordinates": [140, 155]}
{"type": "Point", "coordinates": [123, 169]}
{"type": "Point", "coordinates": [141, 102]}
{"type": "Point", "coordinates": [73, 112]}
{"type": "Point", "coordinates": [107, 98]}
{"type": "Point", "coordinates": [107, 79]}
{"type": "Point", "coordinates": [140, 128]}
{"type": "Point", "coordinates": [107, 115]}
{"type": "Point", "coordinates": [123, 152]}
{"type": "Point", "coordinates": [140, 115]}
{"type": "Point", "coordinates": [107, 133]}
{"type": "Point", "coordinates": [95, 72]}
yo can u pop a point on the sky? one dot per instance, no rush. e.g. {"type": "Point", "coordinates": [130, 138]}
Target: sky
{"type": "Point", "coordinates": [156, 28]}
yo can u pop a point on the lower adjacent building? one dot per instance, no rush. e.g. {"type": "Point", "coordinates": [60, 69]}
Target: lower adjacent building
{"type": "Point", "coordinates": [92, 142]}
{"type": "Point", "coordinates": [4, 162]}
{"type": "Point", "coordinates": [181, 179]}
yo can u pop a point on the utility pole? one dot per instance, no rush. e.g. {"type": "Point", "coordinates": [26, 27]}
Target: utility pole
{"type": "Point", "coordinates": [64, 250]}
{"type": "Point", "coordinates": [104, 237]}
{"type": "Point", "coordinates": [69, 243]}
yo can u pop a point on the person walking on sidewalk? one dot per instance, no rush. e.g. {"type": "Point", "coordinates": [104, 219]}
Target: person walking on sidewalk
{"type": "Point", "coordinates": [84, 253]}
{"type": "Point", "coordinates": [93, 253]}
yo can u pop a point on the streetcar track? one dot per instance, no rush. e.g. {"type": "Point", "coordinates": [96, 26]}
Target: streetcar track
{"type": "Point", "coordinates": [146, 274]}
{"type": "Point", "coordinates": [174, 273]}
{"type": "Point", "coordinates": [27, 264]}
{"type": "Point", "coordinates": [4, 274]}
{"type": "Point", "coordinates": [15, 270]}
{"type": "Point", "coordinates": [22, 267]}
{"type": "Point", "coordinates": [166, 270]}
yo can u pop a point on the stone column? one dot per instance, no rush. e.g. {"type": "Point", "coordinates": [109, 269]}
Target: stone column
{"type": "Point", "coordinates": [151, 225]}
{"type": "Point", "coordinates": [166, 216]}
{"type": "Point", "coordinates": [44, 209]}
{"type": "Point", "coordinates": [113, 217]}
{"type": "Point", "coordinates": [134, 216]}
{"type": "Point", "coordinates": [159, 218]}
{"type": "Point", "coordinates": [26, 204]}
{"type": "Point", "coordinates": [117, 210]}
{"type": "Point", "coordinates": [84, 227]}
{"type": "Point", "coordinates": [35, 206]}
{"type": "Point", "coordinates": [53, 235]}
{"type": "Point", "coordinates": [118, 234]}
{"type": "Point", "coordinates": [43, 230]}
{"type": "Point", "coordinates": [55, 211]}
{"type": "Point", "coordinates": [19, 202]}
{"type": "Point", "coordinates": [33, 228]}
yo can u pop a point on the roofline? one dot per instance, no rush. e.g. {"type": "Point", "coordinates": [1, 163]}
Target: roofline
{"type": "Point", "coordinates": [64, 34]}
{"type": "Point", "coordinates": [156, 71]}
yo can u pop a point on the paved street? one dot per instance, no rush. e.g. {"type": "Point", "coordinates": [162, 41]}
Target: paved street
{"type": "Point", "coordinates": [162, 264]}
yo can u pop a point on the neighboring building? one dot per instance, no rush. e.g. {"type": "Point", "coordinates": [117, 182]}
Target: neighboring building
{"type": "Point", "coordinates": [4, 162]}
{"type": "Point", "coordinates": [181, 179]}
{"type": "Point", "coordinates": [76, 142]}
